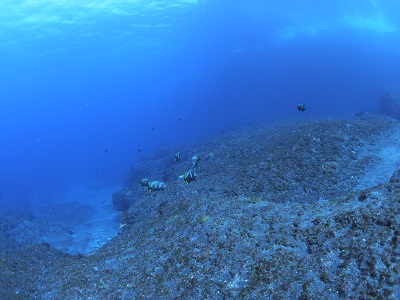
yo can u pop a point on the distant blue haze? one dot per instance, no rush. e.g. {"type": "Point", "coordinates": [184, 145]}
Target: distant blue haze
{"type": "Point", "coordinates": [89, 87]}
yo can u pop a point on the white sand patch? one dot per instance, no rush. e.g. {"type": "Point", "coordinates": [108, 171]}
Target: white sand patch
{"type": "Point", "coordinates": [388, 152]}
{"type": "Point", "coordinates": [80, 219]}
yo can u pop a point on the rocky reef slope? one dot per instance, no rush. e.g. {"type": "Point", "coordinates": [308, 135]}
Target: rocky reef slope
{"type": "Point", "coordinates": [300, 210]}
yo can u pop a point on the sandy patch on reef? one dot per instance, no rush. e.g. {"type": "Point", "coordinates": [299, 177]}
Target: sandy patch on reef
{"type": "Point", "coordinates": [79, 219]}
{"type": "Point", "coordinates": [272, 215]}
{"type": "Point", "coordinates": [388, 152]}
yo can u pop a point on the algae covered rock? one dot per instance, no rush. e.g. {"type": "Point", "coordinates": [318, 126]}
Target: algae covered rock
{"type": "Point", "coordinates": [395, 176]}
{"type": "Point", "coordinates": [282, 211]}
{"type": "Point", "coordinates": [390, 105]}
{"type": "Point", "coordinates": [122, 199]}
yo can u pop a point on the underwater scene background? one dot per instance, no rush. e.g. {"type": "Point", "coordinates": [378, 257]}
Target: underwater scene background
{"type": "Point", "coordinates": [88, 88]}
{"type": "Point", "coordinates": [98, 95]}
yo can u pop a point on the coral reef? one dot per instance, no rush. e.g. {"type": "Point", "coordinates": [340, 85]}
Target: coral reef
{"type": "Point", "coordinates": [277, 211]}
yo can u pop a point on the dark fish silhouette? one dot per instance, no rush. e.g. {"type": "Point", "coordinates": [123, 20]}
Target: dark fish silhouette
{"type": "Point", "coordinates": [301, 107]}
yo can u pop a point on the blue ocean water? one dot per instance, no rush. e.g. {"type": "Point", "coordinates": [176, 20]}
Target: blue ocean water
{"type": "Point", "coordinates": [89, 87]}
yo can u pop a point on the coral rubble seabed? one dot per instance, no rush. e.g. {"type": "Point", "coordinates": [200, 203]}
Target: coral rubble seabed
{"type": "Point", "coordinates": [278, 211]}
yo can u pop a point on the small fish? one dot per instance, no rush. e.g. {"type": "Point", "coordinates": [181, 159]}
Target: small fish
{"type": "Point", "coordinates": [301, 107]}
{"type": "Point", "coordinates": [188, 176]}
{"type": "Point", "coordinates": [144, 182]}
{"type": "Point", "coordinates": [156, 186]}
{"type": "Point", "coordinates": [177, 156]}
{"type": "Point", "coordinates": [195, 161]}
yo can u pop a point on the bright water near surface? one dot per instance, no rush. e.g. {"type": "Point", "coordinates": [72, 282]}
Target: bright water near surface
{"type": "Point", "coordinates": [89, 87]}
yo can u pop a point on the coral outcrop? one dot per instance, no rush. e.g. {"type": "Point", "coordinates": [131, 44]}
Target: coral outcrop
{"type": "Point", "coordinates": [279, 211]}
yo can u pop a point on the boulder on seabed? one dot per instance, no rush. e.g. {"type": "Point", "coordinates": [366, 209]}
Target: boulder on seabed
{"type": "Point", "coordinates": [390, 105]}
{"type": "Point", "coordinates": [395, 176]}
{"type": "Point", "coordinates": [123, 199]}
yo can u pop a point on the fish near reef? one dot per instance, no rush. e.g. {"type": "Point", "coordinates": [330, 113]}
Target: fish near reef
{"type": "Point", "coordinates": [177, 156]}
{"type": "Point", "coordinates": [188, 176]}
{"type": "Point", "coordinates": [156, 186]}
{"type": "Point", "coordinates": [144, 182]}
{"type": "Point", "coordinates": [195, 161]}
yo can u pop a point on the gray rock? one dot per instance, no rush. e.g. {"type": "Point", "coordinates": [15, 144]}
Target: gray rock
{"type": "Point", "coordinates": [390, 105]}
{"type": "Point", "coordinates": [395, 176]}
{"type": "Point", "coordinates": [123, 199]}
